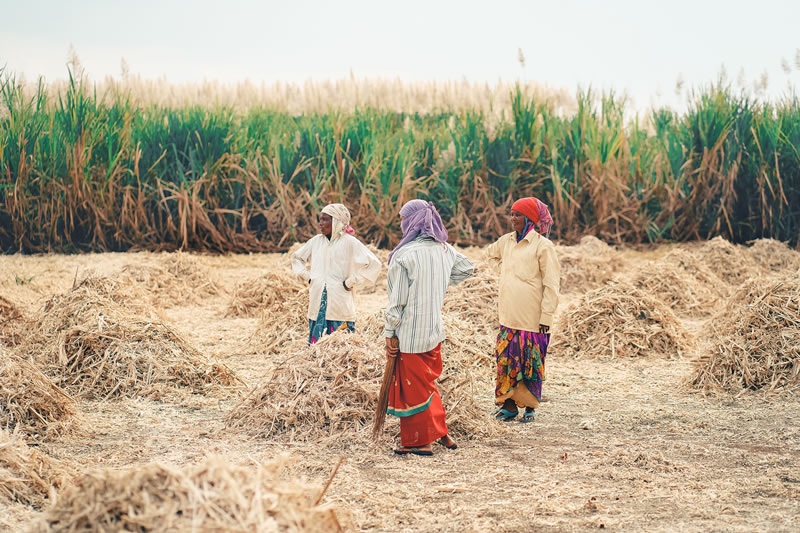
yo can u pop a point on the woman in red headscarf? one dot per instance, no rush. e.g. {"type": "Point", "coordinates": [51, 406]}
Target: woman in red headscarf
{"type": "Point", "coordinates": [529, 288]}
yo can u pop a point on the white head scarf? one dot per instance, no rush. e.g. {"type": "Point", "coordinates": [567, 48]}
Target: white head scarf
{"type": "Point", "coordinates": [341, 220]}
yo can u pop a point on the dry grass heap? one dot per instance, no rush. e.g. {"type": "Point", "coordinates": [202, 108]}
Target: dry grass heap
{"type": "Point", "coordinates": [27, 475]}
{"type": "Point", "coordinates": [467, 381]}
{"type": "Point", "coordinates": [214, 495]}
{"type": "Point", "coordinates": [467, 346]}
{"type": "Point", "coordinates": [756, 340]}
{"type": "Point", "coordinates": [774, 256]}
{"type": "Point", "coordinates": [29, 401]}
{"type": "Point", "coordinates": [175, 279]}
{"type": "Point", "coordinates": [329, 390]}
{"type": "Point", "coordinates": [94, 346]}
{"type": "Point", "coordinates": [588, 265]}
{"type": "Point", "coordinates": [10, 316]}
{"type": "Point", "coordinates": [282, 326]}
{"type": "Point", "coordinates": [8, 311]}
{"type": "Point", "coordinates": [474, 300]}
{"type": "Point", "coordinates": [380, 282]}
{"type": "Point", "coordinates": [731, 263]}
{"type": "Point", "coordinates": [270, 293]}
{"type": "Point", "coordinates": [280, 300]}
{"type": "Point", "coordinates": [619, 320]}
{"type": "Point", "coordinates": [685, 284]}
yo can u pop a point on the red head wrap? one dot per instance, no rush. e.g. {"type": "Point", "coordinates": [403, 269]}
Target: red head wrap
{"type": "Point", "coordinates": [536, 212]}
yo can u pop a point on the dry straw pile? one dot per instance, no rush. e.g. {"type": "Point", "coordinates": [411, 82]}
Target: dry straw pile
{"type": "Point", "coordinates": [380, 282]}
{"type": "Point", "coordinates": [619, 320]}
{"type": "Point", "coordinates": [94, 345]}
{"type": "Point", "coordinates": [8, 311]}
{"type": "Point", "coordinates": [729, 262]}
{"type": "Point", "coordinates": [280, 301]}
{"type": "Point", "coordinates": [10, 317]}
{"type": "Point", "coordinates": [276, 292]}
{"type": "Point", "coordinates": [685, 284]}
{"type": "Point", "coordinates": [474, 300]}
{"type": "Point", "coordinates": [29, 401]}
{"type": "Point", "coordinates": [174, 279]}
{"type": "Point", "coordinates": [27, 475]}
{"type": "Point", "coordinates": [588, 265]}
{"type": "Point", "coordinates": [774, 256]}
{"type": "Point", "coordinates": [283, 325]}
{"type": "Point", "coordinates": [756, 340]}
{"type": "Point", "coordinates": [214, 495]}
{"type": "Point", "coordinates": [329, 390]}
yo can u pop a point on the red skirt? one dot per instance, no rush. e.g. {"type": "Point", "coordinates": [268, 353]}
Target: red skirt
{"type": "Point", "coordinates": [414, 398]}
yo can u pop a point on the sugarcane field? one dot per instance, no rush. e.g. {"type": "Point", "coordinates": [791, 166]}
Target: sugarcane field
{"type": "Point", "coordinates": [361, 274]}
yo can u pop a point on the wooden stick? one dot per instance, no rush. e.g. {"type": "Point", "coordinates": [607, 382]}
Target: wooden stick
{"type": "Point", "coordinates": [330, 479]}
{"type": "Point", "coordinates": [383, 397]}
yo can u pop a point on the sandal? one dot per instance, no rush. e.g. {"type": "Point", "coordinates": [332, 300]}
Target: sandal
{"type": "Point", "coordinates": [528, 416]}
{"type": "Point", "coordinates": [505, 415]}
{"type": "Point", "coordinates": [405, 450]}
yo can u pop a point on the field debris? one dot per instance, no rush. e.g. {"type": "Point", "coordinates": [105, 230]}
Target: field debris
{"type": "Point", "coordinates": [10, 318]}
{"type": "Point", "coordinates": [682, 282]}
{"type": "Point", "coordinates": [283, 328]}
{"type": "Point", "coordinates": [329, 390]}
{"type": "Point", "coordinates": [148, 457]}
{"type": "Point", "coordinates": [756, 339]}
{"type": "Point", "coordinates": [620, 320]}
{"type": "Point", "coordinates": [173, 279]}
{"type": "Point", "coordinates": [214, 495]}
{"type": "Point", "coordinates": [380, 281]}
{"type": "Point", "coordinates": [327, 387]}
{"type": "Point", "coordinates": [8, 311]}
{"type": "Point", "coordinates": [272, 293]}
{"type": "Point", "coordinates": [731, 263]}
{"type": "Point", "coordinates": [29, 401]}
{"type": "Point", "coordinates": [474, 300]}
{"type": "Point", "coordinates": [280, 301]}
{"type": "Point", "coordinates": [650, 462]}
{"type": "Point", "coordinates": [774, 256]}
{"type": "Point", "coordinates": [93, 346]}
{"type": "Point", "coordinates": [27, 475]}
{"type": "Point", "coordinates": [588, 265]}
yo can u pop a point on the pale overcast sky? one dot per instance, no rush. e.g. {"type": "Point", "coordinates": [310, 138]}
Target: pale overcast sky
{"type": "Point", "coordinates": [641, 47]}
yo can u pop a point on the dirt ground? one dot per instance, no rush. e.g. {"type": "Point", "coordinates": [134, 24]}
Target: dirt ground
{"type": "Point", "coordinates": [619, 445]}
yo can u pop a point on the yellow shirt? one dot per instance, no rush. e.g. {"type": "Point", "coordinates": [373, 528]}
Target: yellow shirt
{"type": "Point", "coordinates": [529, 280]}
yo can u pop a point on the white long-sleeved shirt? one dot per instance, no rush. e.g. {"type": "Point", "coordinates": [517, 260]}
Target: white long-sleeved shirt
{"type": "Point", "coordinates": [342, 259]}
{"type": "Point", "coordinates": [417, 281]}
{"type": "Point", "coordinates": [529, 280]}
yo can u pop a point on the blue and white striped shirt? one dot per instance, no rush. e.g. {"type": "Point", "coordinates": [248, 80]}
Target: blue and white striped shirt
{"type": "Point", "coordinates": [417, 280]}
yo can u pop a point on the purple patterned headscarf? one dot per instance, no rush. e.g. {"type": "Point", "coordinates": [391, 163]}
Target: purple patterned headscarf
{"type": "Point", "coordinates": [420, 218]}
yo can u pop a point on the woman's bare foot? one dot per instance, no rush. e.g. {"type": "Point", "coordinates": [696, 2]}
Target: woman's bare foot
{"type": "Point", "coordinates": [448, 442]}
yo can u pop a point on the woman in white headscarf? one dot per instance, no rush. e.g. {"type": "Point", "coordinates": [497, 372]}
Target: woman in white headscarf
{"type": "Point", "coordinates": [339, 262]}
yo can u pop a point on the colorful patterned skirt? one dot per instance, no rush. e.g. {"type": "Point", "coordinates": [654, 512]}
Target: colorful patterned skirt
{"type": "Point", "coordinates": [520, 366]}
{"type": "Point", "coordinates": [414, 398]}
{"type": "Point", "coordinates": [319, 327]}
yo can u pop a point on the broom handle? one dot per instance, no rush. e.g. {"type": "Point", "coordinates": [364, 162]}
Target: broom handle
{"type": "Point", "coordinates": [383, 397]}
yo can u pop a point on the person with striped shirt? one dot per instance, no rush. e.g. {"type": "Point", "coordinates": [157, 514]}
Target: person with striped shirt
{"type": "Point", "coordinates": [421, 267]}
